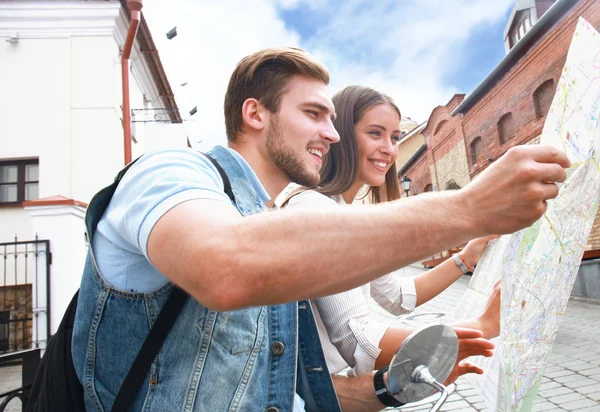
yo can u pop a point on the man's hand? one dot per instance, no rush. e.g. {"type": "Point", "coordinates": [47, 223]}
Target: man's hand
{"type": "Point", "coordinates": [357, 394]}
{"type": "Point", "coordinates": [470, 344]}
{"type": "Point", "coordinates": [511, 194]}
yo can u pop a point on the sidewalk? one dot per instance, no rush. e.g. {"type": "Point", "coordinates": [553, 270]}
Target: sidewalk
{"type": "Point", "coordinates": [10, 378]}
{"type": "Point", "coordinates": [572, 377]}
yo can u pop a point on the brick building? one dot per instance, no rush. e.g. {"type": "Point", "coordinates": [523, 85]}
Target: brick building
{"type": "Point", "coordinates": [508, 108]}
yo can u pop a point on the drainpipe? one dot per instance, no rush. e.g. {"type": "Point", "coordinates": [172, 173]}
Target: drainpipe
{"type": "Point", "coordinates": [135, 6]}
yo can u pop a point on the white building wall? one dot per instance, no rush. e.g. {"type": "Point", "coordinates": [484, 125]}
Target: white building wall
{"type": "Point", "coordinates": [97, 138]}
{"type": "Point", "coordinates": [62, 95]}
{"type": "Point", "coordinates": [60, 102]}
{"type": "Point", "coordinates": [138, 128]}
{"type": "Point", "coordinates": [64, 225]}
{"type": "Point", "coordinates": [165, 136]}
{"type": "Point", "coordinates": [35, 107]}
{"type": "Point", "coordinates": [15, 222]}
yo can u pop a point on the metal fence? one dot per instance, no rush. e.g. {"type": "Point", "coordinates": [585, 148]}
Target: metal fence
{"type": "Point", "coordinates": [29, 360]}
{"type": "Point", "coordinates": [24, 294]}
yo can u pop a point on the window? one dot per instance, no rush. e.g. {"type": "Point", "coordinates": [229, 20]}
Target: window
{"type": "Point", "coordinates": [428, 188]}
{"type": "Point", "coordinates": [542, 98]}
{"type": "Point", "coordinates": [19, 181]}
{"type": "Point", "coordinates": [521, 26]}
{"type": "Point", "coordinates": [475, 147]}
{"type": "Point", "coordinates": [439, 126]}
{"type": "Point", "coordinates": [506, 128]}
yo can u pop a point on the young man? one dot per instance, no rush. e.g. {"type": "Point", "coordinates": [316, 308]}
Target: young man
{"type": "Point", "coordinates": [239, 344]}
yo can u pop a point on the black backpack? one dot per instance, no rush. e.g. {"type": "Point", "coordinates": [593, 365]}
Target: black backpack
{"type": "Point", "coordinates": [56, 386]}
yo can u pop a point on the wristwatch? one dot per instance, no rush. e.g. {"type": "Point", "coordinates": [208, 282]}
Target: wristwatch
{"type": "Point", "coordinates": [461, 265]}
{"type": "Point", "coordinates": [381, 391]}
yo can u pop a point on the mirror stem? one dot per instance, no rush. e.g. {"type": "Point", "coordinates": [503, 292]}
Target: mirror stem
{"type": "Point", "coordinates": [421, 374]}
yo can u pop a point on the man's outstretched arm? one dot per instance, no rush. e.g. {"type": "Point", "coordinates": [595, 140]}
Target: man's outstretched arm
{"type": "Point", "coordinates": [228, 262]}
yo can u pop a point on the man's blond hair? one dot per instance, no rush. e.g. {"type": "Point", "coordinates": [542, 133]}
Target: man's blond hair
{"type": "Point", "coordinates": [264, 76]}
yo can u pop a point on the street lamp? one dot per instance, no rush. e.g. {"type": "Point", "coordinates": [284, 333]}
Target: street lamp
{"type": "Point", "coordinates": [406, 185]}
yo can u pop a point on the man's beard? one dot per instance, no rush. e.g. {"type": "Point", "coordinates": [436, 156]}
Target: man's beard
{"type": "Point", "coordinates": [285, 159]}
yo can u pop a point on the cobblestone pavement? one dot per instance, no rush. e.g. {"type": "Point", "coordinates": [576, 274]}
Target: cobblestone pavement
{"type": "Point", "coordinates": [572, 377]}
{"type": "Point", "coordinates": [10, 378]}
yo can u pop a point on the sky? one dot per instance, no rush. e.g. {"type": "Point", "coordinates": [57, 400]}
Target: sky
{"type": "Point", "coordinates": [420, 52]}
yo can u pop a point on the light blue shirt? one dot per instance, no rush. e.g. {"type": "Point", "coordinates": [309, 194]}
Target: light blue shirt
{"type": "Point", "coordinates": [158, 182]}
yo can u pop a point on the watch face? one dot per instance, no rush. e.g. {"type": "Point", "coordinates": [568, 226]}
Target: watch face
{"type": "Point", "coordinates": [435, 347]}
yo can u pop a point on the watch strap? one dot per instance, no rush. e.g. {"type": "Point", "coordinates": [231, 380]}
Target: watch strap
{"type": "Point", "coordinates": [459, 262]}
{"type": "Point", "coordinates": [384, 396]}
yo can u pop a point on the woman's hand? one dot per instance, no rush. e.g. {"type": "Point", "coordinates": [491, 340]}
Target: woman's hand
{"type": "Point", "coordinates": [470, 343]}
{"type": "Point", "coordinates": [489, 321]}
{"type": "Point", "coordinates": [473, 342]}
{"type": "Point", "coordinates": [472, 252]}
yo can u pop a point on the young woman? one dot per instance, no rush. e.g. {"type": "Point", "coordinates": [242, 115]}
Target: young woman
{"type": "Point", "coordinates": [369, 126]}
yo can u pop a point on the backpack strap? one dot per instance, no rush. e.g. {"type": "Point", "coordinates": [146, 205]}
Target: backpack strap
{"type": "Point", "coordinates": [154, 341]}
{"type": "Point", "coordinates": [161, 328]}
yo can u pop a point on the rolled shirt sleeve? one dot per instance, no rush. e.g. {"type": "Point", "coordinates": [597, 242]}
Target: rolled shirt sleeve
{"type": "Point", "coordinates": [395, 293]}
{"type": "Point", "coordinates": [352, 328]}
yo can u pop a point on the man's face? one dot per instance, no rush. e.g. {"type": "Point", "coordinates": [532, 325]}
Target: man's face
{"type": "Point", "coordinates": [300, 133]}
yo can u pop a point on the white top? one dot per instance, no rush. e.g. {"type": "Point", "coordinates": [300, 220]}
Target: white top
{"type": "Point", "coordinates": [346, 325]}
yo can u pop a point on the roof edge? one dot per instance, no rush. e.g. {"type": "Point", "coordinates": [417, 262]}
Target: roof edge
{"type": "Point", "coordinates": [54, 201]}
{"type": "Point", "coordinates": [152, 58]}
{"type": "Point", "coordinates": [414, 131]}
{"type": "Point", "coordinates": [412, 159]}
{"type": "Point", "coordinates": [550, 16]}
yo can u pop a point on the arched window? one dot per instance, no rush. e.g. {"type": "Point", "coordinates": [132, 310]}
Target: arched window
{"type": "Point", "coordinates": [439, 126]}
{"type": "Point", "coordinates": [542, 98]}
{"type": "Point", "coordinates": [428, 188]}
{"type": "Point", "coordinates": [452, 185]}
{"type": "Point", "coordinates": [475, 147]}
{"type": "Point", "coordinates": [506, 128]}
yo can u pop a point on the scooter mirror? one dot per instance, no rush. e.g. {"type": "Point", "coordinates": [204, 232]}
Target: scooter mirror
{"type": "Point", "coordinates": [433, 348]}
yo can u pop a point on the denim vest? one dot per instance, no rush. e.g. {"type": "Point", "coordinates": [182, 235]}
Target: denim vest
{"type": "Point", "coordinates": [245, 360]}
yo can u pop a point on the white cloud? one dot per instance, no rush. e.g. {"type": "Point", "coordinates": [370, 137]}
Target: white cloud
{"type": "Point", "coordinates": [212, 38]}
{"type": "Point", "coordinates": [294, 4]}
{"type": "Point", "coordinates": [406, 49]}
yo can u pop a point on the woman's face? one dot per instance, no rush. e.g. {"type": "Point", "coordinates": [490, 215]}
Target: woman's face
{"type": "Point", "coordinates": [377, 135]}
